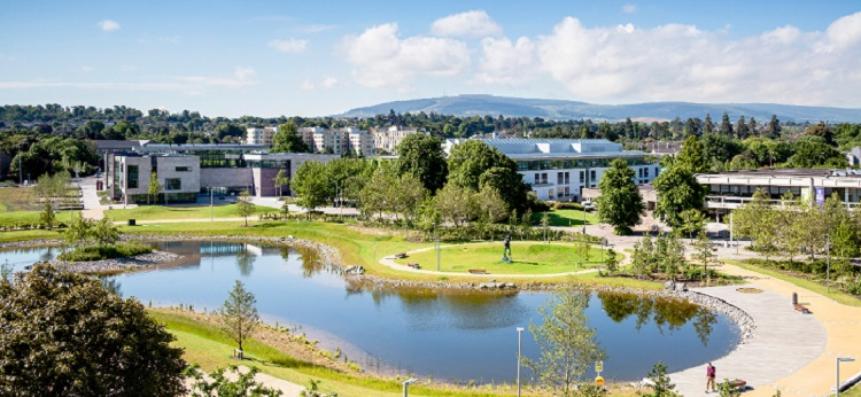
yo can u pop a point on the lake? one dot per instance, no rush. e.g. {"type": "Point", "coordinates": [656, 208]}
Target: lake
{"type": "Point", "coordinates": [453, 335]}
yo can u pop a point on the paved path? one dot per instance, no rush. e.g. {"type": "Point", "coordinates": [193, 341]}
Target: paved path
{"type": "Point", "coordinates": [390, 262]}
{"type": "Point", "coordinates": [783, 342]}
{"type": "Point", "coordinates": [92, 205]}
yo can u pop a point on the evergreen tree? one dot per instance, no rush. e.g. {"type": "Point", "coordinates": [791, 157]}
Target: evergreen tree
{"type": "Point", "coordinates": [752, 126]}
{"type": "Point", "coordinates": [725, 124]}
{"type": "Point", "coordinates": [620, 203]}
{"type": "Point", "coordinates": [239, 314]}
{"type": "Point", "coordinates": [678, 190]}
{"type": "Point", "coordinates": [708, 125]}
{"type": "Point", "coordinates": [773, 128]}
{"type": "Point", "coordinates": [741, 129]}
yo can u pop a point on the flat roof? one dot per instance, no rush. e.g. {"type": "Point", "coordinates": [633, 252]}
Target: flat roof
{"type": "Point", "coordinates": [787, 173]}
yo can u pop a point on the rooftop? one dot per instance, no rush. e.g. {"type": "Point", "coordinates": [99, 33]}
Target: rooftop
{"type": "Point", "coordinates": [790, 173]}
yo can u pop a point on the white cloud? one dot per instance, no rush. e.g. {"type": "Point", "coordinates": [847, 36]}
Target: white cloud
{"type": "Point", "coordinates": [629, 8]}
{"type": "Point", "coordinates": [329, 82]}
{"type": "Point", "coordinates": [504, 62]}
{"type": "Point", "coordinates": [475, 23]}
{"type": "Point", "coordinates": [87, 68]}
{"type": "Point", "coordinates": [380, 58]}
{"type": "Point", "coordinates": [307, 85]}
{"type": "Point", "coordinates": [681, 62]}
{"type": "Point", "coordinates": [289, 46]}
{"type": "Point", "coordinates": [109, 25]}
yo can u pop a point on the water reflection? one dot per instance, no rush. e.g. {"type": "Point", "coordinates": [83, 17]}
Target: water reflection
{"type": "Point", "coordinates": [455, 335]}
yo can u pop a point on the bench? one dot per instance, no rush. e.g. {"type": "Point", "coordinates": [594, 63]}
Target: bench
{"type": "Point", "coordinates": [803, 309]}
{"type": "Point", "coordinates": [401, 255]}
{"type": "Point", "coordinates": [477, 271]}
{"type": "Point", "coordinates": [414, 266]}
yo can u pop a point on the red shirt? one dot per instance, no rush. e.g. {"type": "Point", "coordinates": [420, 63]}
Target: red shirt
{"type": "Point", "coordinates": [710, 371]}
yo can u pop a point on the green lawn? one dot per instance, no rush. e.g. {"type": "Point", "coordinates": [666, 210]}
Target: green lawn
{"type": "Point", "coordinates": [529, 258]}
{"type": "Point", "coordinates": [568, 218]}
{"type": "Point", "coordinates": [814, 286]}
{"type": "Point", "coordinates": [356, 246]}
{"type": "Point", "coordinates": [145, 212]}
{"type": "Point", "coordinates": [25, 218]}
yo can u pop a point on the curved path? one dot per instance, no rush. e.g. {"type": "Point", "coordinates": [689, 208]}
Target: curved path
{"type": "Point", "coordinates": [783, 342]}
{"type": "Point", "coordinates": [389, 261]}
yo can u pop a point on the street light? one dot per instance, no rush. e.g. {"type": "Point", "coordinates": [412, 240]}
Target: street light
{"type": "Point", "coordinates": [840, 360]}
{"type": "Point", "coordinates": [519, 333]}
{"type": "Point", "coordinates": [407, 386]}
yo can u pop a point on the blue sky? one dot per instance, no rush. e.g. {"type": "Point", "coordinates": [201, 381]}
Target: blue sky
{"type": "Point", "coordinates": [315, 58]}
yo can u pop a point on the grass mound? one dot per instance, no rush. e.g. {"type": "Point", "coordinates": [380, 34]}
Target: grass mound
{"type": "Point", "coordinates": [121, 250]}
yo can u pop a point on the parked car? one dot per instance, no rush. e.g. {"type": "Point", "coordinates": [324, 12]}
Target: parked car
{"type": "Point", "coordinates": [588, 205]}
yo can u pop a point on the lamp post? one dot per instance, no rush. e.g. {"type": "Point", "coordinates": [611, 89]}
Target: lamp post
{"type": "Point", "coordinates": [519, 339]}
{"type": "Point", "coordinates": [407, 384]}
{"type": "Point", "coordinates": [211, 216]}
{"type": "Point", "coordinates": [838, 361]}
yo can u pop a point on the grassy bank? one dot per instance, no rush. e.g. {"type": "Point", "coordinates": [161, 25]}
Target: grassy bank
{"type": "Point", "coordinates": [528, 258]}
{"type": "Point", "coordinates": [209, 347]}
{"type": "Point", "coordinates": [811, 285]}
{"type": "Point", "coordinates": [356, 245]}
{"type": "Point", "coordinates": [567, 218]}
{"type": "Point", "coordinates": [149, 212]}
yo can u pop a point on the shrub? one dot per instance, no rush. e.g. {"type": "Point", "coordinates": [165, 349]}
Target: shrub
{"type": "Point", "coordinates": [122, 250]}
{"type": "Point", "coordinates": [568, 205]}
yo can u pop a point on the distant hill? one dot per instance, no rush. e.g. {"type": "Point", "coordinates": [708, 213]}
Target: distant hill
{"type": "Point", "coordinates": [470, 105]}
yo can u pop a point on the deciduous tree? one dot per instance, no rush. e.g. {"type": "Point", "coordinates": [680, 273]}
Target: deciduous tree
{"type": "Point", "coordinates": [620, 203]}
{"type": "Point", "coordinates": [239, 314]}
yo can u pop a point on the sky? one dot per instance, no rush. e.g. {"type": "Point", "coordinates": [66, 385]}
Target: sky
{"type": "Point", "coordinates": [311, 58]}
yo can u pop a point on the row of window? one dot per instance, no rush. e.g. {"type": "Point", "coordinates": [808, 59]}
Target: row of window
{"type": "Point", "coordinates": [538, 165]}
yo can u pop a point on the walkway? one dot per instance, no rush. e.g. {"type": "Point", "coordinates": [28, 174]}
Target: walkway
{"type": "Point", "coordinates": [92, 204]}
{"type": "Point", "coordinates": [783, 342]}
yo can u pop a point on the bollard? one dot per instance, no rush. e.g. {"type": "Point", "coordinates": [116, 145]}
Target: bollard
{"type": "Point", "coordinates": [794, 299]}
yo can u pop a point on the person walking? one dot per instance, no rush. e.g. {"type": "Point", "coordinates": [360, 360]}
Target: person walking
{"type": "Point", "coordinates": [711, 371]}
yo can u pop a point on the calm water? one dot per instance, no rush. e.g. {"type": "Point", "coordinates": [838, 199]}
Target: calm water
{"type": "Point", "coordinates": [455, 336]}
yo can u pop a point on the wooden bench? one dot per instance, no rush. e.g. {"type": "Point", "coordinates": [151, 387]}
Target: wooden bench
{"type": "Point", "coordinates": [401, 255]}
{"type": "Point", "coordinates": [414, 266]}
{"type": "Point", "coordinates": [477, 271]}
{"type": "Point", "coordinates": [803, 309]}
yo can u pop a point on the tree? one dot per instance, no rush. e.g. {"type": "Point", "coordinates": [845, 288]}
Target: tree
{"type": "Point", "coordinates": [509, 184]}
{"type": "Point", "coordinates": [821, 130]}
{"type": "Point", "coordinates": [708, 125]}
{"type": "Point", "coordinates": [741, 130]}
{"type": "Point", "coordinates": [422, 156]}
{"type": "Point", "coordinates": [154, 188]}
{"type": "Point", "coordinates": [64, 334]}
{"type": "Point", "coordinates": [678, 190]}
{"type": "Point", "coordinates": [104, 232]}
{"type": "Point", "coordinates": [660, 383]}
{"type": "Point", "coordinates": [473, 164]}
{"type": "Point", "coordinates": [692, 156]}
{"type": "Point", "coordinates": [772, 130]}
{"type": "Point", "coordinates": [493, 208]}
{"type": "Point", "coordinates": [78, 232]}
{"type": "Point", "coordinates": [456, 204]}
{"type": "Point", "coordinates": [566, 344]}
{"type": "Point", "coordinates": [287, 139]}
{"type": "Point", "coordinates": [408, 194]}
{"type": "Point", "coordinates": [244, 206]}
{"type": "Point", "coordinates": [692, 222]}
{"type": "Point", "coordinates": [281, 179]}
{"type": "Point", "coordinates": [725, 125]}
{"type": "Point", "coordinates": [313, 390]}
{"type": "Point", "coordinates": [611, 262]}
{"type": "Point", "coordinates": [239, 314]}
{"type": "Point", "coordinates": [620, 203]}
{"type": "Point", "coordinates": [757, 221]}
{"type": "Point", "coordinates": [704, 253]}
{"type": "Point", "coordinates": [311, 186]}
{"type": "Point", "coordinates": [47, 216]}
{"type": "Point", "coordinates": [219, 383]}
{"type": "Point", "coordinates": [814, 151]}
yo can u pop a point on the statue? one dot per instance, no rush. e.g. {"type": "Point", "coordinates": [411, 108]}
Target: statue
{"type": "Point", "coordinates": [506, 251]}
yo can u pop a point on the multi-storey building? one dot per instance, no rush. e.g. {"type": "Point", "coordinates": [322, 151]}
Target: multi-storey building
{"type": "Point", "coordinates": [387, 140]}
{"type": "Point", "coordinates": [360, 142]}
{"type": "Point", "coordinates": [559, 169]}
{"type": "Point", "coordinates": [342, 141]}
{"type": "Point", "coordinates": [260, 136]}
{"type": "Point", "coordinates": [184, 171]}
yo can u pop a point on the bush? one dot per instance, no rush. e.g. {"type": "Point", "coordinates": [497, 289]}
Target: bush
{"type": "Point", "coordinates": [95, 253]}
{"type": "Point", "coordinates": [568, 205]}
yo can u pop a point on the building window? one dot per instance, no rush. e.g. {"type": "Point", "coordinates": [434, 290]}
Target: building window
{"type": "Point", "coordinates": [592, 176]}
{"type": "Point", "coordinates": [560, 178]}
{"type": "Point", "coordinates": [645, 172]}
{"type": "Point", "coordinates": [172, 184]}
{"type": "Point", "coordinates": [182, 169]}
{"type": "Point", "coordinates": [582, 177]}
{"type": "Point", "coordinates": [132, 175]}
{"type": "Point", "coordinates": [567, 177]}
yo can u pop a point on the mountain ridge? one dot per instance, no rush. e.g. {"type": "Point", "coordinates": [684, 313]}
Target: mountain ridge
{"type": "Point", "coordinates": [560, 109]}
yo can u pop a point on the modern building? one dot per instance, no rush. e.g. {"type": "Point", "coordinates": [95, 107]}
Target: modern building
{"type": "Point", "coordinates": [387, 140]}
{"type": "Point", "coordinates": [854, 157]}
{"type": "Point", "coordinates": [341, 141]}
{"type": "Point", "coordinates": [730, 190]}
{"type": "Point", "coordinates": [184, 171]}
{"type": "Point", "coordinates": [559, 169]}
{"type": "Point", "coordinates": [260, 136]}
